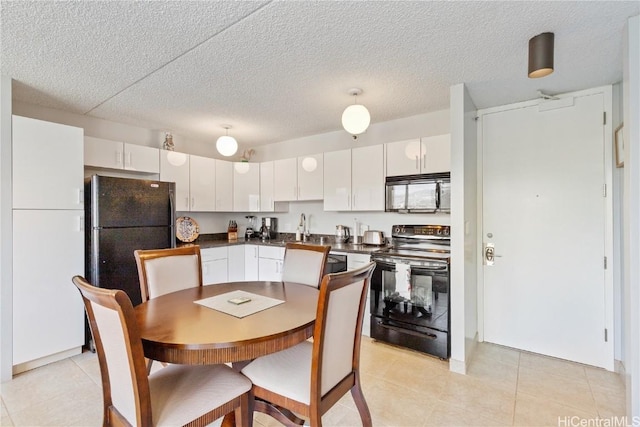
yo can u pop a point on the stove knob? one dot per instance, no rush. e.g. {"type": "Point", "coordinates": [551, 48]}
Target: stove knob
{"type": "Point", "coordinates": [396, 230]}
{"type": "Point", "coordinates": [446, 231]}
{"type": "Point", "coordinates": [439, 231]}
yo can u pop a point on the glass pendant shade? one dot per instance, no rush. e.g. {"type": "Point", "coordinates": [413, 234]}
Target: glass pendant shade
{"type": "Point", "coordinates": [227, 145]}
{"type": "Point", "coordinates": [356, 119]}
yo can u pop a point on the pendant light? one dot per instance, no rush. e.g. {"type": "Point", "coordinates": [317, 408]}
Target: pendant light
{"type": "Point", "coordinates": [541, 55]}
{"type": "Point", "coordinates": [227, 145]}
{"type": "Point", "coordinates": [356, 117]}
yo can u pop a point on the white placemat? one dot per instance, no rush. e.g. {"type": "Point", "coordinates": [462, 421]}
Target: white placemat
{"type": "Point", "coordinates": [221, 303]}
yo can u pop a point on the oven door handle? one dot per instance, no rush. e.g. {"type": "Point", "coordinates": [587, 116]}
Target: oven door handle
{"type": "Point", "coordinates": [391, 267]}
{"type": "Point", "coordinates": [408, 331]}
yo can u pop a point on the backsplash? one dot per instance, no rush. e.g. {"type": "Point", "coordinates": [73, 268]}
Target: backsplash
{"type": "Point", "coordinates": [318, 221]}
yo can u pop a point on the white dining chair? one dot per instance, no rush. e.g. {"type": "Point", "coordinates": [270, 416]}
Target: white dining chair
{"type": "Point", "coordinates": [161, 271]}
{"type": "Point", "coordinates": [309, 378]}
{"type": "Point", "coordinates": [304, 263]}
{"type": "Point", "coordinates": [174, 396]}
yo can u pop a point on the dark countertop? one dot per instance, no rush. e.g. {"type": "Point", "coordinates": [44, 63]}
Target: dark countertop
{"type": "Point", "coordinates": [220, 239]}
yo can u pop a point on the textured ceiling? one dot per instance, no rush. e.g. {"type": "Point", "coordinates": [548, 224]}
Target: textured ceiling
{"type": "Point", "coordinates": [281, 70]}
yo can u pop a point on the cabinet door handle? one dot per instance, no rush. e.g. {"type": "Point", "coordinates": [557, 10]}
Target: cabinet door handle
{"type": "Point", "coordinates": [128, 161]}
{"type": "Point", "coordinates": [417, 165]}
{"type": "Point", "coordinates": [118, 157]}
{"type": "Point", "coordinates": [80, 196]}
{"type": "Point", "coordinates": [424, 160]}
{"type": "Point", "coordinates": [193, 202]}
{"type": "Point", "coordinates": [81, 223]}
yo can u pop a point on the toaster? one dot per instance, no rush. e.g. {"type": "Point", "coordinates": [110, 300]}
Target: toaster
{"type": "Point", "coordinates": [372, 237]}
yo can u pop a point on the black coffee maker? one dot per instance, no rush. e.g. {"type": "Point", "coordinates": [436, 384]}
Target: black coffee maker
{"type": "Point", "coordinates": [251, 227]}
{"type": "Point", "coordinates": [269, 228]}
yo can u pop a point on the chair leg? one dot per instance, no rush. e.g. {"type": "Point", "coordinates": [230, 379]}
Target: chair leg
{"type": "Point", "coordinates": [244, 413]}
{"type": "Point", "coordinates": [315, 419]}
{"type": "Point", "coordinates": [361, 404]}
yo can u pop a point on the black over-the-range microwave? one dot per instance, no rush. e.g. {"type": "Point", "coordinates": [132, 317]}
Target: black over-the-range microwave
{"type": "Point", "coordinates": [427, 193]}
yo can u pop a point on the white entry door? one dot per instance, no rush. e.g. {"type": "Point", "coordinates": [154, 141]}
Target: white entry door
{"type": "Point", "coordinates": [544, 213]}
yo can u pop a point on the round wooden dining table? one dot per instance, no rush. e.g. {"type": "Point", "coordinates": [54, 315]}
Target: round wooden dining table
{"type": "Point", "coordinates": [175, 329]}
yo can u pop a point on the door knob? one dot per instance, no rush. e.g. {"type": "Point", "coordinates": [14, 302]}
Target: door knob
{"type": "Point", "coordinates": [490, 254]}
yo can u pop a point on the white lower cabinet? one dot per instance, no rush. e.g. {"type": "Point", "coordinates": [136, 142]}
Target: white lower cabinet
{"type": "Point", "coordinates": [48, 313]}
{"type": "Point", "coordinates": [214, 265]}
{"type": "Point", "coordinates": [270, 260]}
{"type": "Point", "coordinates": [250, 262]}
{"type": "Point", "coordinates": [236, 263]}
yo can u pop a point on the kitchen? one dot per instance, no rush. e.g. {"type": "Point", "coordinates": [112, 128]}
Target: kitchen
{"type": "Point", "coordinates": [422, 125]}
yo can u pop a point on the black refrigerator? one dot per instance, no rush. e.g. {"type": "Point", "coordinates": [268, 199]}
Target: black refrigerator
{"type": "Point", "coordinates": [123, 215]}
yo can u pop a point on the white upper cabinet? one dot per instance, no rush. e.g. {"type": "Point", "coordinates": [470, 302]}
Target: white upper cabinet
{"type": "Point", "coordinates": [285, 180]}
{"type": "Point", "coordinates": [310, 177]}
{"type": "Point", "coordinates": [141, 159]}
{"type": "Point", "coordinates": [337, 180]}
{"type": "Point", "coordinates": [367, 178]}
{"type": "Point", "coordinates": [202, 184]}
{"type": "Point", "coordinates": [246, 187]}
{"type": "Point", "coordinates": [420, 155]}
{"type": "Point", "coordinates": [266, 187]}
{"type": "Point", "coordinates": [437, 154]}
{"type": "Point", "coordinates": [224, 186]}
{"type": "Point", "coordinates": [105, 153]}
{"type": "Point", "coordinates": [298, 178]}
{"type": "Point", "coordinates": [354, 179]}
{"type": "Point", "coordinates": [48, 170]}
{"type": "Point", "coordinates": [174, 167]}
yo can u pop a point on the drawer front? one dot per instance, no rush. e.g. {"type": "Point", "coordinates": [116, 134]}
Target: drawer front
{"type": "Point", "coordinates": [426, 340]}
{"type": "Point", "coordinates": [271, 252]}
{"type": "Point", "coordinates": [210, 254]}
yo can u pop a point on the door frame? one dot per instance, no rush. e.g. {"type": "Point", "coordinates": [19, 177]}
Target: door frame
{"type": "Point", "coordinates": [608, 207]}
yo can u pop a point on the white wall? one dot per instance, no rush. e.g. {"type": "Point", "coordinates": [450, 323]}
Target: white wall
{"type": "Point", "coordinates": [464, 211]}
{"type": "Point", "coordinates": [106, 129]}
{"type": "Point", "coordinates": [631, 206]}
{"type": "Point", "coordinates": [428, 124]}
{"type": "Point", "coordinates": [6, 239]}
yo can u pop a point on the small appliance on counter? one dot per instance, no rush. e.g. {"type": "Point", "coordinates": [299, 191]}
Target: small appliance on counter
{"type": "Point", "coordinates": [269, 228]}
{"type": "Point", "coordinates": [342, 234]}
{"type": "Point", "coordinates": [251, 227]}
{"type": "Point", "coordinates": [373, 238]}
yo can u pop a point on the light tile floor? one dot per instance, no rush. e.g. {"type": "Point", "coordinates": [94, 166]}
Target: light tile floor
{"type": "Point", "coordinates": [503, 387]}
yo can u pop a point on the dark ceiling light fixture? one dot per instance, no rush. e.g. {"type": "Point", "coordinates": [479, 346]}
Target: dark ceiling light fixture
{"type": "Point", "coordinates": [541, 55]}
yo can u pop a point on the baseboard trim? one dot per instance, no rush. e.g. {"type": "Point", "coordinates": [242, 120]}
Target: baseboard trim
{"type": "Point", "coordinates": [27, 366]}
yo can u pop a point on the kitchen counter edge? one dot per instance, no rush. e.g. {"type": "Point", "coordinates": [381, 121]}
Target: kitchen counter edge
{"type": "Point", "coordinates": [205, 243]}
